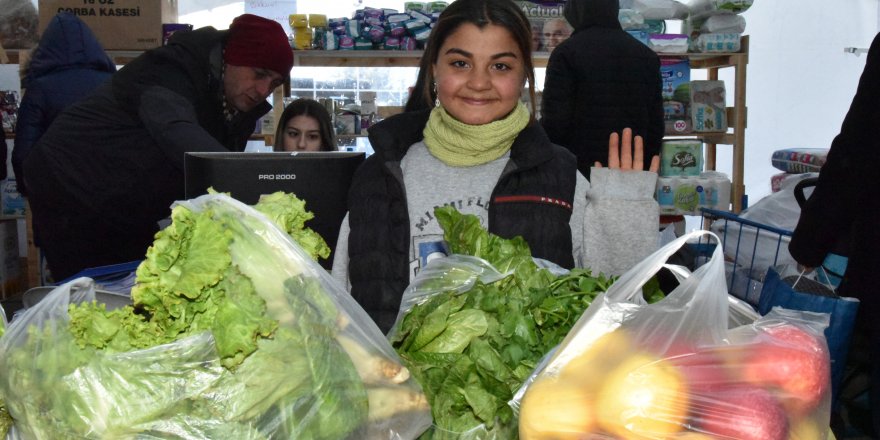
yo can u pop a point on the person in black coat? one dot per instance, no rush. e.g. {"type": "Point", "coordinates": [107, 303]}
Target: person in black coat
{"type": "Point", "coordinates": [598, 81]}
{"type": "Point", "coordinates": [67, 65]}
{"type": "Point", "coordinates": [844, 209]}
{"type": "Point", "coordinates": [110, 166]}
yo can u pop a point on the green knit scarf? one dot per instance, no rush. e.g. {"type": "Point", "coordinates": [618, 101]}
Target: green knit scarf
{"type": "Point", "coordinates": [461, 145]}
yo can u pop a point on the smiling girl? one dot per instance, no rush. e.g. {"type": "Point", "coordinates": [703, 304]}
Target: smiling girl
{"type": "Point", "coordinates": [480, 150]}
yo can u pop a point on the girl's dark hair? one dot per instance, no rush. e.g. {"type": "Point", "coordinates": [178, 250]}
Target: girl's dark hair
{"type": "Point", "coordinates": [312, 108]}
{"type": "Point", "coordinates": [504, 13]}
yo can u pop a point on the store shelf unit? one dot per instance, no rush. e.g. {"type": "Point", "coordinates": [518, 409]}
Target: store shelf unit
{"type": "Point", "coordinates": [737, 115]}
{"type": "Point", "coordinates": [712, 62]}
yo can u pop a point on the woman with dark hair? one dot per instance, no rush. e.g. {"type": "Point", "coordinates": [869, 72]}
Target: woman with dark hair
{"type": "Point", "coordinates": [305, 125]}
{"type": "Point", "coordinates": [481, 150]}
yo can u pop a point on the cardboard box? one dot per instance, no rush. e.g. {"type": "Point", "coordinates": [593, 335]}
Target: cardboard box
{"type": "Point", "coordinates": [118, 24]}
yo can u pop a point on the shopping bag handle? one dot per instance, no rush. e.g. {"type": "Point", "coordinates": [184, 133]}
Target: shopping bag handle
{"type": "Point", "coordinates": [628, 287]}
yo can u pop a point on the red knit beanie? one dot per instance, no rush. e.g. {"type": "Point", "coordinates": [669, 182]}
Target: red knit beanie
{"type": "Point", "coordinates": [258, 42]}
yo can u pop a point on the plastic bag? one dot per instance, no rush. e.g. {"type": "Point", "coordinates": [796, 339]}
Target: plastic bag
{"type": "Point", "coordinates": [5, 419]}
{"type": "Point", "coordinates": [472, 334]}
{"type": "Point", "coordinates": [786, 286]}
{"type": "Point", "coordinates": [673, 369]}
{"type": "Point", "coordinates": [326, 371]}
{"type": "Point", "coordinates": [660, 9]}
{"type": "Point", "coordinates": [704, 8]}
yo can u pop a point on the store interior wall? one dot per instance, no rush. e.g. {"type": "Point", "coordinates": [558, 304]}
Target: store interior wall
{"type": "Point", "coordinates": [800, 81]}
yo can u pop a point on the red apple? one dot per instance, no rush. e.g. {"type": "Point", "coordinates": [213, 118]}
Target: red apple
{"type": "Point", "coordinates": [705, 370]}
{"type": "Point", "coordinates": [793, 361]}
{"type": "Point", "coordinates": [744, 413]}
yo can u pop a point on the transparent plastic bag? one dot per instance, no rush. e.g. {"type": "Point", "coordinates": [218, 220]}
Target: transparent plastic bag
{"type": "Point", "coordinates": [673, 368]}
{"type": "Point", "coordinates": [326, 371]}
{"type": "Point", "coordinates": [473, 333]}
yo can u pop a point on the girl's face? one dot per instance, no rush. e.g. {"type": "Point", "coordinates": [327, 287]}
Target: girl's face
{"type": "Point", "coordinates": [302, 133]}
{"type": "Point", "coordinates": [479, 74]}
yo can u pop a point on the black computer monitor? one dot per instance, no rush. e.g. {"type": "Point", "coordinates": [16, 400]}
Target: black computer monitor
{"type": "Point", "coordinates": [321, 179]}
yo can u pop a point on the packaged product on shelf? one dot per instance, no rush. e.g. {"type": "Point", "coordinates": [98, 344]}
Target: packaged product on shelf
{"type": "Point", "coordinates": [414, 6]}
{"type": "Point", "coordinates": [10, 199]}
{"type": "Point", "coordinates": [640, 35]}
{"type": "Point", "coordinates": [725, 23]}
{"type": "Point", "coordinates": [675, 75]}
{"type": "Point", "coordinates": [436, 6]}
{"type": "Point", "coordinates": [668, 43]}
{"type": "Point", "coordinates": [346, 43]}
{"type": "Point", "coordinates": [681, 157]}
{"type": "Point", "coordinates": [298, 20]}
{"type": "Point", "coordinates": [716, 190]}
{"type": "Point", "coordinates": [705, 8]}
{"type": "Point", "coordinates": [660, 9]}
{"type": "Point", "coordinates": [317, 20]}
{"type": "Point", "coordinates": [799, 160]}
{"type": "Point", "coordinates": [630, 19]}
{"type": "Point", "coordinates": [302, 38]}
{"type": "Point", "coordinates": [678, 195]}
{"type": "Point", "coordinates": [329, 41]}
{"type": "Point", "coordinates": [708, 106]}
{"type": "Point", "coordinates": [712, 42]}
{"type": "Point", "coordinates": [422, 35]}
{"type": "Point", "coordinates": [687, 195]}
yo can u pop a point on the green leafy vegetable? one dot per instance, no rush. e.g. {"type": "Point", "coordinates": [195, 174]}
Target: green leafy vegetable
{"type": "Point", "coordinates": [5, 418]}
{"type": "Point", "coordinates": [231, 335]}
{"type": "Point", "coordinates": [471, 351]}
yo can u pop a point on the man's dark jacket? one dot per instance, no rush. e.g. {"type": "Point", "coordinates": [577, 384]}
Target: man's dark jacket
{"type": "Point", "coordinates": [110, 166]}
{"type": "Point", "coordinates": [601, 80]}
{"type": "Point", "coordinates": [380, 225]}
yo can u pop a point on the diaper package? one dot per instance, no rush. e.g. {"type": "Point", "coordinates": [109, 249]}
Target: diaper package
{"type": "Point", "coordinates": [675, 75]}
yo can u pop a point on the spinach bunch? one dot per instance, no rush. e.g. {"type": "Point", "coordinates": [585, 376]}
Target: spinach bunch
{"type": "Point", "coordinates": [472, 351]}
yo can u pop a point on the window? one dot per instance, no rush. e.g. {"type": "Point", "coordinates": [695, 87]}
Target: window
{"type": "Point", "coordinates": [344, 84]}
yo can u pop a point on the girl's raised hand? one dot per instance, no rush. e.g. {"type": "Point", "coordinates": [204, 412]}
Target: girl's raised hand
{"type": "Point", "coordinates": [625, 157]}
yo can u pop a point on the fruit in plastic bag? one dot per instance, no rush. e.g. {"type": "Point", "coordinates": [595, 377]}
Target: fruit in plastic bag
{"type": "Point", "coordinates": [793, 361]}
{"type": "Point", "coordinates": [745, 413]}
{"type": "Point", "coordinates": [554, 409]}
{"type": "Point", "coordinates": [643, 396]}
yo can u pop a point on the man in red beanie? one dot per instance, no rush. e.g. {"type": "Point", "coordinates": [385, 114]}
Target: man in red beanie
{"type": "Point", "coordinates": [109, 167]}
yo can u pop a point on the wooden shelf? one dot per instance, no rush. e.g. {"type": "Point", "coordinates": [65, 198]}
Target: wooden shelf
{"type": "Point", "coordinates": [410, 58]}
{"type": "Point", "coordinates": [120, 57]}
